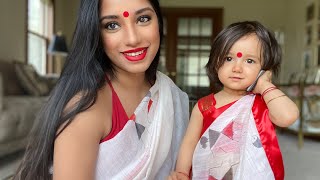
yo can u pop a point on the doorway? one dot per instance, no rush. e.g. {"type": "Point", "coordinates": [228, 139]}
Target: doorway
{"type": "Point", "coordinates": [186, 45]}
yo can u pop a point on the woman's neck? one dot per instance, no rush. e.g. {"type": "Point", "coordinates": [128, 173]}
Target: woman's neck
{"type": "Point", "coordinates": [131, 82]}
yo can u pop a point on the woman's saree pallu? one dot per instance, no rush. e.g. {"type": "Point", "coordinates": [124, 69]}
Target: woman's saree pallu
{"type": "Point", "coordinates": [233, 148]}
{"type": "Point", "coordinates": [147, 147]}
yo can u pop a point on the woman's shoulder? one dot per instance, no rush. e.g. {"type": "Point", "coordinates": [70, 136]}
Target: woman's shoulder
{"type": "Point", "coordinates": [95, 120]}
{"type": "Point", "coordinates": [80, 139]}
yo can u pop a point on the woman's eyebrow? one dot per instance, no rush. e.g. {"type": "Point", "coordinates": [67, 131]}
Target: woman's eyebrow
{"type": "Point", "coordinates": [109, 17]}
{"type": "Point", "coordinates": [116, 16]}
{"type": "Point", "coordinates": [143, 10]}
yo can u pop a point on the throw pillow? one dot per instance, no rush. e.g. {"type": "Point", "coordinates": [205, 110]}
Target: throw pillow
{"type": "Point", "coordinates": [30, 80]}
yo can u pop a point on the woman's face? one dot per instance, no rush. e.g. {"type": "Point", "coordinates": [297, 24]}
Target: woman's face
{"type": "Point", "coordinates": [130, 34]}
{"type": "Point", "coordinates": [242, 64]}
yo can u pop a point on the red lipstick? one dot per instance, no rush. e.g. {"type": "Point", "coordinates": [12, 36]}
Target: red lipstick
{"type": "Point", "coordinates": [137, 54]}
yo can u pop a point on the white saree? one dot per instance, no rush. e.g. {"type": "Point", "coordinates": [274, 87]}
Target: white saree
{"type": "Point", "coordinates": [231, 147]}
{"type": "Point", "coordinates": [147, 147]}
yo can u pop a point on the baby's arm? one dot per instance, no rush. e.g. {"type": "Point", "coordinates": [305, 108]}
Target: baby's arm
{"type": "Point", "coordinates": [188, 144]}
{"type": "Point", "coordinates": [282, 110]}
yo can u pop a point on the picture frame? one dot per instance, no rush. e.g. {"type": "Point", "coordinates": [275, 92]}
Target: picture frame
{"type": "Point", "coordinates": [310, 12]}
{"type": "Point", "coordinates": [295, 78]}
{"type": "Point", "coordinates": [318, 32]}
{"type": "Point", "coordinates": [318, 55]}
{"type": "Point", "coordinates": [307, 59]}
{"type": "Point", "coordinates": [312, 75]}
{"type": "Point", "coordinates": [308, 35]}
{"type": "Point", "coordinates": [317, 78]}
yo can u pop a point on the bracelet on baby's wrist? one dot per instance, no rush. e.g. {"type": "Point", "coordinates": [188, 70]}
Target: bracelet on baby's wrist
{"type": "Point", "coordinates": [275, 98]}
{"type": "Point", "coordinates": [268, 90]}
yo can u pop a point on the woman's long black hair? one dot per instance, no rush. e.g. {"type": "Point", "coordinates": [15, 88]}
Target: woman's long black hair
{"type": "Point", "coordinates": [84, 72]}
{"type": "Point", "coordinates": [271, 51]}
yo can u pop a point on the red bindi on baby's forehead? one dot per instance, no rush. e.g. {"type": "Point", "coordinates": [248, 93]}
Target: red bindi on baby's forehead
{"type": "Point", "coordinates": [239, 54]}
{"type": "Point", "coordinates": [125, 14]}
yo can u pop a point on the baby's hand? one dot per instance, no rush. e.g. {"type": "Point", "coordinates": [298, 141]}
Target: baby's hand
{"type": "Point", "coordinates": [177, 176]}
{"type": "Point", "coordinates": [263, 82]}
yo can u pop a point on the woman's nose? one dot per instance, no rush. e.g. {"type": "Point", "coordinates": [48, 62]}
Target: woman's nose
{"type": "Point", "coordinates": [132, 36]}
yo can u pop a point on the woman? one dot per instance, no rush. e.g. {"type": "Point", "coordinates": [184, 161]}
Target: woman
{"type": "Point", "coordinates": [111, 114]}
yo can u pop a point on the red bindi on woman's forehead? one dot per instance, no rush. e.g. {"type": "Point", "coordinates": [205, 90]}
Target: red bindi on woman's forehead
{"type": "Point", "coordinates": [126, 14]}
{"type": "Point", "coordinates": [239, 54]}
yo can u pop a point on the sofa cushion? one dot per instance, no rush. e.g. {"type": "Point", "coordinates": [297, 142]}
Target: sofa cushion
{"type": "Point", "coordinates": [11, 85]}
{"type": "Point", "coordinates": [16, 125]}
{"type": "Point", "coordinates": [16, 120]}
{"type": "Point", "coordinates": [30, 80]}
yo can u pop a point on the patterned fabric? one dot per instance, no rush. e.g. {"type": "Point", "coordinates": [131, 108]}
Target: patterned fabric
{"type": "Point", "coordinates": [147, 147]}
{"type": "Point", "coordinates": [207, 108]}
{"type": "Point", "coordinates": [236, 145]}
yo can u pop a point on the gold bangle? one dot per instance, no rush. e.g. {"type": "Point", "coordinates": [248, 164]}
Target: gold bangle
{"type": "Point", "coordinates": [275, 98]}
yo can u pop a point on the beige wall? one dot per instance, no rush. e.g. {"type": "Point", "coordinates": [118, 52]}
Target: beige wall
{"type": "Point", "coordinates": [286, 16]}
{"type": "Point", "coordinates": [294, 40]}
{"type": "Point", "coordinates": [13, 26]}
{"type": "Point", "coordinates": [65, 17]}
{"type": "Point", "coordinates": [279, 15]}
{"type": "Point", "coordinates": [268, 11]}
{"type": "Point", "coordinates": [12, 30]}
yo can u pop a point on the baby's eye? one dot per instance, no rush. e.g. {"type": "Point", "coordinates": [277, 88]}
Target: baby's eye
{"type": "Point", "coordinates": [250, 61]}
{"type": "Point", "coordinates": [143, 19]}
{"type": "Point", "coordinates": [111, 26]}
{"type": "Point", "coordinates": [228, 58]}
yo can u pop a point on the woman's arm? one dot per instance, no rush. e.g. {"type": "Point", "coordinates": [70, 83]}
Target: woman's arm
{"type": "Point", "coordinates": [76, 148]}
{"type": "Point", "coordinates": [190, 141]}
{"type": "Point", "coordinates": [282, 110]}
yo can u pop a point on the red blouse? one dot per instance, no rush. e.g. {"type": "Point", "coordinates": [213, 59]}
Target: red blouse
{"type": "Point", "coordinates": [263, 123]}
{"type": "Point", "coordinates": [119, 115]}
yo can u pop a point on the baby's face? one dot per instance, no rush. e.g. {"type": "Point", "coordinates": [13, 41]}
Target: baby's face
{"type": "Point", "coordinates": [242, 64]}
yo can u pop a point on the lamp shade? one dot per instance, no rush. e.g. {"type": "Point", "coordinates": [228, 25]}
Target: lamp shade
{"type": "Point", "coordinates": [58, 46]}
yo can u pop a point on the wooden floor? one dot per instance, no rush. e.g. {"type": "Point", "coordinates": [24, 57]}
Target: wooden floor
{"type": "Point", "coordinates": [300, 163]}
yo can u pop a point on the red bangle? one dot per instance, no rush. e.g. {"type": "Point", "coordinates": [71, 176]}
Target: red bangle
{"type": "Point", "coordinates": [268, 90]}
{"type": "Point", "coordinates": [185, 174]}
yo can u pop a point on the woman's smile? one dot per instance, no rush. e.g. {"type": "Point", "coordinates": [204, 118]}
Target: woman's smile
{"type": "Point", "coordinates": [137, 54]}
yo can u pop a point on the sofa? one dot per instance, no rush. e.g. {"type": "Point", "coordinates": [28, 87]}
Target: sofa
{"type": "Point", "coordinates": [22, 93]}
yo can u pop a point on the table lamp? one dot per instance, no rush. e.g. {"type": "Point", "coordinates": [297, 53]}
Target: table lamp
{"type": "Point", "coordinates": [58, 48]}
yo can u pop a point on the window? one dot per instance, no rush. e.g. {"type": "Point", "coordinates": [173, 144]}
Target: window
{"type": "Point", "coordinates": [40, 29]}
{"type": "Point", "coordinates": [193, 47]}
